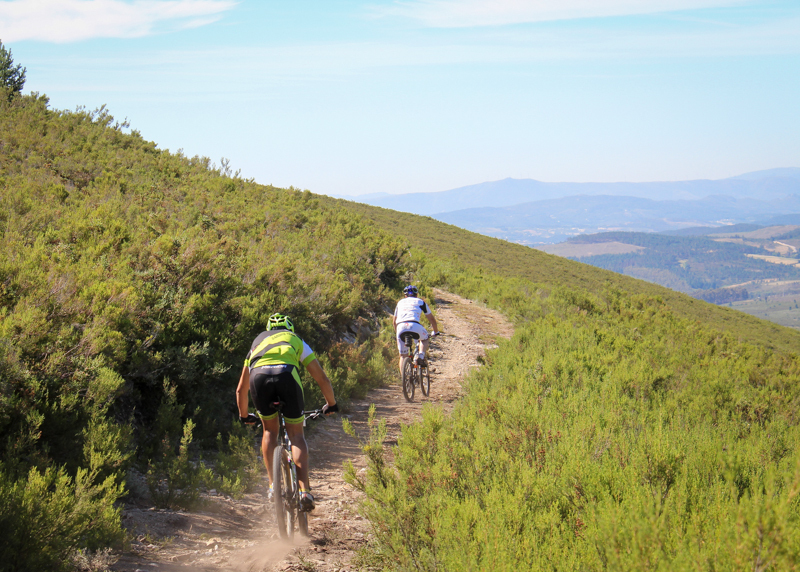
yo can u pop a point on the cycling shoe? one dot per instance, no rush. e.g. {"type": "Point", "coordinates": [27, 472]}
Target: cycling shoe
{"type": "Point", "coordinates": [306, 501]}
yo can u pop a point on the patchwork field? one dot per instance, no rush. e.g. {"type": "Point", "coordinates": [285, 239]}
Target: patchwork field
{"type": "Point", "coordinates": [782, 310]}
{"type": "Point", "coordinates": [762, 233]}
{"type": "Point", "coordinates": [581, 250]}
{"type": "Point", "coordinates": [773, 300]}
{"type": "Point", "coordinates": [774, 259]}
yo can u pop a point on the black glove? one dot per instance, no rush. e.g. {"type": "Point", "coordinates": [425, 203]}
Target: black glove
{"type": "Point", "coordinates": [328, 409]}
{"type": "Point", "coordinates": [251, 418]}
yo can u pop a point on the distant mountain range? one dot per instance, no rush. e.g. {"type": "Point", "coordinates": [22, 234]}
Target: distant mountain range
{"type": "Point", "coordinates": [532, 212]}
{"type": "Point", "coordinates": [764, 185]}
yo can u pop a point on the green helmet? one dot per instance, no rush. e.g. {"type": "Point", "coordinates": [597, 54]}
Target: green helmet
{"type": "Point", "coordinates": [279, 321]}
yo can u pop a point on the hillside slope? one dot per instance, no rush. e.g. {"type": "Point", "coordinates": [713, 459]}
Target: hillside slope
{"type": "Point", "coordinates": [516, 261]}
{"type": "Point", "coordinates": [132, 282]}
{"type": "Point", "coordinates": [623, 427]}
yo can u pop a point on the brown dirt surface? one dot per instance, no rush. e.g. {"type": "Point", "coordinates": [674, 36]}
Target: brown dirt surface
{"type": "Point", "coordinates": [242, 536]}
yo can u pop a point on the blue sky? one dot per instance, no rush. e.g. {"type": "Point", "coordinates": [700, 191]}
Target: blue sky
{"type": "Point", "coordinates": [350, 97]}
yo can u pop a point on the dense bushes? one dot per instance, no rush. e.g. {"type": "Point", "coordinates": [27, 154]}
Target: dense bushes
{"type": "Point", "coordinates": [49, 509]}
{"type": "Point", "coordinates": [124, 267]}
{"type": "Point", "coordinates": [609, 433]}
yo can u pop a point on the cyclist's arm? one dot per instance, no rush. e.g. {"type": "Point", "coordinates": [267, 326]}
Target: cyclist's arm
{"type": "Point", "coordinates": [322, 380]}
{"type": "Point", "coordinates": [243, 391]}
{"type": "Point", "coordinates": [432, 320]}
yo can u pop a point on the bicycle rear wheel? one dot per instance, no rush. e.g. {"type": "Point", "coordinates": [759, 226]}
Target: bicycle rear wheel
{"type": "Point", "coordinates": [283, 493]}
{"type": "Point", "coordinates": [302, 521]}
{"type": "Point", "coordinates": [425, 380]}
{"type": "Point", "coordinates": [408, 379]}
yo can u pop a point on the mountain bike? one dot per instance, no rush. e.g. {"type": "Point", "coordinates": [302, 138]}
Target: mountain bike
{"type": "Point", "coordinates": [285, 487]}
{"type": "Point", "coordinates": [415, 372]}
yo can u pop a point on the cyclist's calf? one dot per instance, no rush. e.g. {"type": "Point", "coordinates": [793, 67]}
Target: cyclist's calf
{"type": "Point", "coordinates": [299, 452]}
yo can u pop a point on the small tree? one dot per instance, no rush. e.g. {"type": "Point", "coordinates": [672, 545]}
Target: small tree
{"type": "Point", "coordinates": [11, 77]}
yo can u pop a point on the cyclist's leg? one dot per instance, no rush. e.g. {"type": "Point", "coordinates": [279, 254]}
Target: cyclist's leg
{"type": "Point", "coordinates": [299, 453]}
{"type": "Point", "coordinates": [401, 348]}
{"type": "Point", "coordinates": [263, 388]}
{"type": "Point", "coordinates": [401, 345]}
{"type": "Point", "coordinates": [268, 443]}
{"type": "Point", "coordinates": [421, 335]}
{"type": "Point", "coordinates": [291, 392]}
{"type": "Point", "coordinates": [424, 341]}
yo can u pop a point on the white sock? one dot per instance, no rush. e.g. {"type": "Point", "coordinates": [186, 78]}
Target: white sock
{"type": "Point", "coordinates": [421, 355]}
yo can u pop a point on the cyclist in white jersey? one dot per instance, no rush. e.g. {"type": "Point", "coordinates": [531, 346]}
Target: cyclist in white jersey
{"type": "Point", "coordinates": [406, 319]}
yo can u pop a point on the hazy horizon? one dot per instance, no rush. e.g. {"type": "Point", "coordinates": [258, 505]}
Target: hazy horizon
{"type": "Point", "coordinates": [569, 182]}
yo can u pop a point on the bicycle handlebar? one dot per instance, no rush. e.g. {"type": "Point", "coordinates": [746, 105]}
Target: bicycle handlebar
{"type": "Point", "coordinates": [322, 412]}
{"type": "Point", "coordinates": [254, 420]}
{"type": "Point", "coordinates": [313, 414]}
{"type": "Point", "coordinates": [251, 419]}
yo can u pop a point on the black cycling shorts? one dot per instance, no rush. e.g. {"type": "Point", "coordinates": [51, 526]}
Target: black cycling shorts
{"type": "Point", "coordinates": [272, 383]}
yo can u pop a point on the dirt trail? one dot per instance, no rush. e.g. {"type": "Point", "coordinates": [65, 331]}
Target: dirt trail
{"type": "Point", "coordinates": [241, 535]}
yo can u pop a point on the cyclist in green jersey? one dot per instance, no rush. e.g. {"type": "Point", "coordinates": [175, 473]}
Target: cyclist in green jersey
{"type": "Point", "coordinates": [270, 374]}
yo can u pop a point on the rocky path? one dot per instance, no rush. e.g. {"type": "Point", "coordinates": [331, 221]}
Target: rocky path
{"type": "Point", "coordinates": [240, 535]}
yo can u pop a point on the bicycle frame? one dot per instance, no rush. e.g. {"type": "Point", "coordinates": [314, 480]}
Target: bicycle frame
{"type": "Point", "coordinates": [286, 488]}
{"type": "Point", "coordinates": [412, 344]}
{"type": "Point", "coordinates": [286, 445]}
{"type": "Point", "coordinates": [413, 374]}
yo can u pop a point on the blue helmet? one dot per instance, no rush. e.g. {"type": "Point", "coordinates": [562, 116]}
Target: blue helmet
{"type": "Point", "coordinates": [410, 290]}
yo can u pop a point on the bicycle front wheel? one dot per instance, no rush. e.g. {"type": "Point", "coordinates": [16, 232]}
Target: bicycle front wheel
{"type": "Point", "coordinates": [408, 379]}
{"type": "Point", "coordinates": [283, 493]}
{"type": "Point", "coordinates": [425, 380]}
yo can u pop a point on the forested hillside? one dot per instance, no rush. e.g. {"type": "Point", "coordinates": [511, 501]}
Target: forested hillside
{"type": "Point", "coordinates": [689, 264]}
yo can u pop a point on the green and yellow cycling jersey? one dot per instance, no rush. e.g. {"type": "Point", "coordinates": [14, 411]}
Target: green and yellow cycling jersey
{"type": "Point", "coordinates": [278, 347]}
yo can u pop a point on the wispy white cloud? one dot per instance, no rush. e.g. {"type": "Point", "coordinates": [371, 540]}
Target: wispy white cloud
{"type": "Point", "coordinates": [593, 43]}
{"type": "Point", "coordinates": [470, 13]}
{"type": "Point", "coordinates": [254, 72]}
{"type": "Point", "coordinates": [74, 20]}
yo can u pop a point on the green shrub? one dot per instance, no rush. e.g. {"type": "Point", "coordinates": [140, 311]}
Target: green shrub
{"type": "Point", "coordinates": [174, 480]}
{"type": "Point", "coordinates": [46, 516]}
{"type": "Point", "coordinates": [608, 433]}
{"type": "Point", "coordinates": [237, 465]}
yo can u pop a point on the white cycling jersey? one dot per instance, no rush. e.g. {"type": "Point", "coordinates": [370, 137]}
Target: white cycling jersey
{"type": "Point", "coordinates": [410, 310]}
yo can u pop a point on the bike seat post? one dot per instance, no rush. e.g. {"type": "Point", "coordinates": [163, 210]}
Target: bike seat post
{"type": "Point", "coordinates": [283, 436]}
